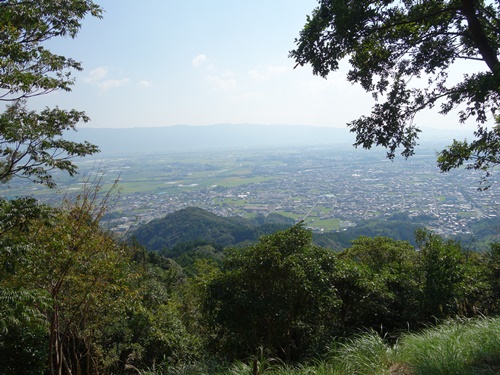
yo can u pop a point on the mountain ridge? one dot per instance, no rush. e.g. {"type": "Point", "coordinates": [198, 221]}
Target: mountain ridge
{"type": "Point", "coordinates": [218, 136]}
{"type": "Point", "coordinates": [226, 136]}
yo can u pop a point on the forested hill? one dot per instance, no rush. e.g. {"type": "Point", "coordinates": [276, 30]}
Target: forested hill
{"type": "Point", "coordinates": [195, 224]}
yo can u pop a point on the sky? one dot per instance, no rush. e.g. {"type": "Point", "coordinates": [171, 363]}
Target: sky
{"type": "Point", "coordinates": [156, 63]}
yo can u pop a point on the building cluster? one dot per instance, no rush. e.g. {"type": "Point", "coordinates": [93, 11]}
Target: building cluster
{"type": "Point", "coordinates": [319, 188]}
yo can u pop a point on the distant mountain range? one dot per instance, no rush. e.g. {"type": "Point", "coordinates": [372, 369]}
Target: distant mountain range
{"type": "Point", "coordinates": [225, 136]}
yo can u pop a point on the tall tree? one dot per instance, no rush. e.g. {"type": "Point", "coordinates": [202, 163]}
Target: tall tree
{"type": "Point", "coordinates": [276, 295]}
{"type": "Point", "coordinates": [31, 143]}
{"type": "Point", "coordinates": [443, 272]}
{"type": "Point", "coordinates": [64, 279]}
{"type": "Point", "coordinates": [390, 44]}
{"type": "Point", "coordinates": [395, 265]}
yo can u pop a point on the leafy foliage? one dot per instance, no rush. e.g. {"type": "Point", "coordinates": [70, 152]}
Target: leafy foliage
{"type": "Point", "coordinates": [492, 273]}
{"type": "Point", "coordinates": [187, 254]}
{"type": "Point", "coordinates": [394, 267]}
{"type": "Point", "coordinates": [289, 297]}
{"type": "Point", "coordinates": [83, 272]}
{"type": "Point", "coordinates": [443, 273]}
{"type": "Point", "coordinates": [391, 43]}
{"type": "Point", "coordinates": [28, 68]}
{"type": "Point", "coordinates": [31, 143]}
{"type": "Point", "coordinates": [80, 301]}
{"type": "Point", "coordinates": [480, 154]}
{"type": "Point", "coordinates": [119, 306]}
{"type": "Point", "coordinates": [276, 294]}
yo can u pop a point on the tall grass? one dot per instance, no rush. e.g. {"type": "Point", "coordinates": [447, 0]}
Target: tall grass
{"type": "Point", "coordinates": [456, 347]}
{"type": "Point", "coordinates": [267, 368]}
{"type": "Point", "coordinates": [366, 354]}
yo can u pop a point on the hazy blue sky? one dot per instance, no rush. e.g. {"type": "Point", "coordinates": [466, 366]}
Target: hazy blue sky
{"type": "Point", "coordinates": [200, 62]}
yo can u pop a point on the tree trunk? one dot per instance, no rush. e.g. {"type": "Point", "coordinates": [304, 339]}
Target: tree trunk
{"type": "Point", "coordinates": [477, 32]}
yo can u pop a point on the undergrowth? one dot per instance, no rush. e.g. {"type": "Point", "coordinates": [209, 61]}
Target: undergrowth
{"type": "Point", "coordinates": [455, 347]}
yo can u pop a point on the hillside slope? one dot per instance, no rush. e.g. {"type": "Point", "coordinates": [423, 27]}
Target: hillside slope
{"type": "Point", "coordinates": [195, 224]}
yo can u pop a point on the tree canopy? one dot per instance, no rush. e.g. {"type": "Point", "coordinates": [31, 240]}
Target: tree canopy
{"type": "Point", "coordinates": [31, 142]}
{"type": "Point", "coordinates": [276, 295]}
{"type": "Point", "coordinates": [401, 52]}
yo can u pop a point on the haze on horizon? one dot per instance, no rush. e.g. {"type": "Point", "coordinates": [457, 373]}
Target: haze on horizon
{"type": "Point", "coordinates": [160, 63]}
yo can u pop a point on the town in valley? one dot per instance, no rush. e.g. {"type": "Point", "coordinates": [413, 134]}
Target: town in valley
{"type": "Point", "coordinates": [330, 188]}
